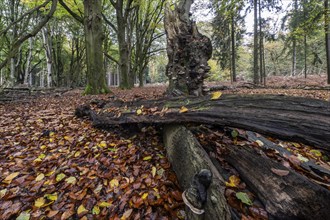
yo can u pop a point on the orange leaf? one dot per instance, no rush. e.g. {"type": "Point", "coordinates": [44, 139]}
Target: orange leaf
{"type": "Point", "coordinates": [234, 181]}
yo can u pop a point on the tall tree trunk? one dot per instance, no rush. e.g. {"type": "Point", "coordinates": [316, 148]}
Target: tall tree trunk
{"type": "Point", "coordinates": [48, 52]}
{"type": "Point", "coordinates": [96, 79]}
{"type": "Point", "coordinates": [327, 36]}
{"type": "Point", "coordinates": [305, 56]}
{"type": "Point", "coordinates": [294, 44]}
{"type": "Point", "coordinates": [255, 45]}
{"type": "Point", "coordinates": [233, 50]}
{"type": "Point", "coordinates": [261, 69]}
{"type": "Point", "coordinates": [28, 63]}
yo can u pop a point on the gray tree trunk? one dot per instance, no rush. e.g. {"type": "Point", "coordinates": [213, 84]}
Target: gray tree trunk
{"type": "Point", "coordinates": [188, 52]}
{"type": "Point", "coordinates": [96, 80]}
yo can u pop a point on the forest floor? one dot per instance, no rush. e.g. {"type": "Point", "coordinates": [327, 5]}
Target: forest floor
{"type": "Point", "coordinates": [56, 166]}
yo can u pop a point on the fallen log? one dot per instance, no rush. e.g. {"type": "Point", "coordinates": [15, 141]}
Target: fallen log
{"type": "Point", "coordinates": [290, 196]}
{"type": "Point", "coordinates": [284, 196]}
{"type": "Point", "coordinates": [290, 118]}
{"type": "Point", "coordinates": [187, 158]}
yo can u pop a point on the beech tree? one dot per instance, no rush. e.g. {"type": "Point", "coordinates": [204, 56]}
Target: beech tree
{"type": "Point", "coordinates": [92, 21]}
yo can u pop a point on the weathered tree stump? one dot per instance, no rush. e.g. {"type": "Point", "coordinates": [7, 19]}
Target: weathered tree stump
{"type": "Point", "coordinates": [188, 52]}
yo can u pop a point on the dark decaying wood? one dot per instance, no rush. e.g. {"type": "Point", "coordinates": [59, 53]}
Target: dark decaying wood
{"type": "Point", "coordinates": [285, 197]}
{"type": "Point", "coordinates": [187, 158]}
{"type": "Point", "coordinates": [188, 51]}
{"type": "Point", "coordinates": [290, 118]}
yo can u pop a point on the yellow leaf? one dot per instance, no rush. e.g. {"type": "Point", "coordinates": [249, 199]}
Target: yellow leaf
{"type": "Point", "coordinates": [183, 109]}
{"type": "Point", "coordinates": [296, 145]}
{"type": "Point", "coordinates": [114, 183]}
{"type": "Point", "coordinates": [9, 178]}
{"type": "Point", "coordinates": [50, 173]}
{"type": "Point", "coordinates": [77, 154]}
{"type": "Point", "coordinates": [40, 177]}
{"type": "Point", "coordinates": [81, 209]}
{"type": "Point", "coordinates": [153, 171]}
{"type": "Point", "coordinates": [302, 158]}
{"type": "Point", "coordinates": [144, 196]}
{"type": "Point", "coordinates": [316, 153]}
{"type": "Point", "coordinates": [103, 144]}
{"type": "Point", "coordinates": [39, 202]}
{"type": "Point", "coordinates": [59, 177]}
{"type": "Point", "coordinates": [234, 181]}
{"type": "Point", "coordinates": [147, 158]}
{"type": "Point", "coordinates": [42, 156]}
{"type": "Point", "coordinates": [216, 95]}
{"type": "Point", "coordinates": [68, 138]}
{"type": "Point", "coordinates": [71, 180]}
{"type": "Point", "coordinates": [52, 197]}
{"type": "Point", "coordinates": [3, 193]}
{"type": "Point", "coordinates": [96, 210]}
{"type": "Point", "coordinates": [139, 112]}
{"type": "Point", "coordinates": [37, 160]}
{"type": "Point", "coordinates": [104, 204]}
{"type": "Point", "coordinates": [43, 147]}
{"type": "Point", "coordinates": [51, 140]}
{"type": "Point", "coordinates": [51, 134]}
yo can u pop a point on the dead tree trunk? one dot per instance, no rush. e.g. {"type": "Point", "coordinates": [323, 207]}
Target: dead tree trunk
{"type": "Point", "coordinates": [188, 52]}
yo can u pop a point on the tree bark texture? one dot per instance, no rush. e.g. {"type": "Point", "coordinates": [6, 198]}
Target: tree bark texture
{"type": "Point", "coordinates": [96, 81]}
{"type": "Point", "coordinates": [188, 52]}
{"type": "Point", "coordinates": [292, 196]}
{"type": "Point", "coordinates": [187, 158]}
{"type": "Point", "coordinates": [290, 118]}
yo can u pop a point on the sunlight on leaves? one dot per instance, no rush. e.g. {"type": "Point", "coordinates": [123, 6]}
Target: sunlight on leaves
{"type": "Point", "coordinates": [244, 198]}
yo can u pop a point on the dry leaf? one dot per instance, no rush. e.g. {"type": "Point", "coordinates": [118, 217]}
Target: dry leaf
{"type": "Point", "coordinates": [9, 178]}
{"type": "Point", "coordinates": [183, 110]}
{"type": "Point", "coordinates": [280, 172]}
{"type": "Point", "coordinates": [216, 95]}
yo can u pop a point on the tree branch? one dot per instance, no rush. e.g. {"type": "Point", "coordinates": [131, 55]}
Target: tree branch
{"type": "Point", "coordinates": [34, 32]}
{"type": "Point", "coordinates": [74, 15]}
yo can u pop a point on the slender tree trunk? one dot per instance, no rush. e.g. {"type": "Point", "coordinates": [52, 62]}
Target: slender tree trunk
{"type": "Point", "coordinates": [294, 44]}
{"type": "Point", "coordinates": [255, 45]}
{"type": "Point", "coordinates": [233, 50]}
{"type": "Point", "coordinates": [48, 52]}
{"type": "Point", "coordinates": [96, 79]}
{"type": "Point", "coordinates": [261, 68]}
{"type": "Point", "coordinates": [305, 56]}
{"type": "Point", "coordinates": [28, 63]}
{"type": "Point", "coordinates": [327, 36]}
